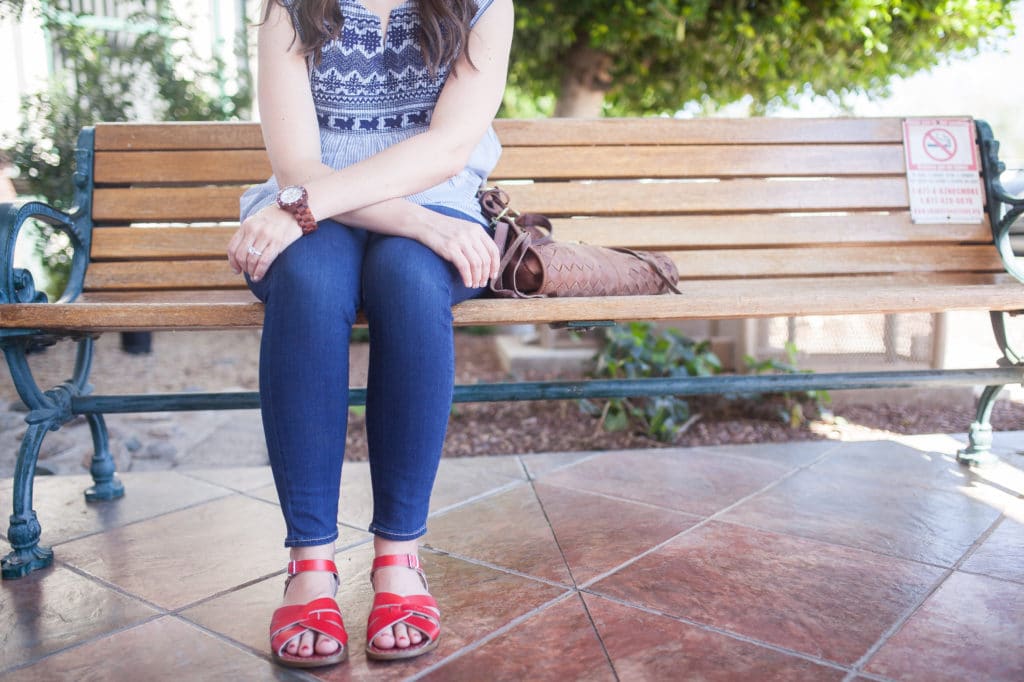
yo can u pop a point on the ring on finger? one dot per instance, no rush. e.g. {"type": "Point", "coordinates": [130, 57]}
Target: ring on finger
{"type": "Point", "coordinates": [253, 251]}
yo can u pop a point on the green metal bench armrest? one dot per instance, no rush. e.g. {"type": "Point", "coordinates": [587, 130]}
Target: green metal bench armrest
{"type": "Point", "coordinates": [17, 284]}
{"type": "Point", "coordinates": [1004, 209]}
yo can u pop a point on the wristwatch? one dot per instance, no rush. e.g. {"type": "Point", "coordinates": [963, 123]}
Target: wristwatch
{"type": "Point", "coordinates": [295, 200]}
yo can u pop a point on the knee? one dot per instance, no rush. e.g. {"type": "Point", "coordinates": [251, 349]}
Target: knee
{"type": "Point", "coordinates": [308, 276]}
{"type": "Point", "coordinates": [403, 273]}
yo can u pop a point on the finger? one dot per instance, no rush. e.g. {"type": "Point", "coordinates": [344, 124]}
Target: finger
{"type": "Point", "coordinates": [482, 261]}
{"type": "Point", "coordinates": [461, 264]}
{"type": "Point", "coordinates": [232, 252]}
{"type": "Point", "coordinates": [263, 262]}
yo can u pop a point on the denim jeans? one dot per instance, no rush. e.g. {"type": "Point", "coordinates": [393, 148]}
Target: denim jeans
{"type": "Point", "coordinates": [312, 291]}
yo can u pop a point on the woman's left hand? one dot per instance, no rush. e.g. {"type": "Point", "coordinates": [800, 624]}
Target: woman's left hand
{"type": "Point", "coordinates": [260, 239]}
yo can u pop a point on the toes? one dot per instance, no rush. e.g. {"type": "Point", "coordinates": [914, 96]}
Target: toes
{"type": "Point", "coordinates": [306, 644]}
{"type": "Point", "coordinates": [325, 646]}
{"type": "Point", "coordinates": [402, 636]}
{"type": "Point", "coordinates": [415, 636]}
{"type": "Point", "coordinates": [385, 640]}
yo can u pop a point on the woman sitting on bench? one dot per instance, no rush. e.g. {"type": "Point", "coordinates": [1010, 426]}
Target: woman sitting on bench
{"type": "Point", "coordinates": [377, 119]}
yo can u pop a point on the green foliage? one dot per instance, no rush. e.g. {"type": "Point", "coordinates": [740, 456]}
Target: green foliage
{"type": "Point", "coordinates": [668, 53]}
{"type": "Point", "coordinates": [791, 410]}
{"type": "Point", "coordinates": [637, 350]}
{"type": "Point", "coordinates": [106, 77]}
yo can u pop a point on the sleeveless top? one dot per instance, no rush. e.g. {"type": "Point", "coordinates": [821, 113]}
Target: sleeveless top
{"type": "Point", "coordinates": [371, 93]}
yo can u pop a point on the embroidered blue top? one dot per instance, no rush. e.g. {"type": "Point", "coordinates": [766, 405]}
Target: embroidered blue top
{"type": "Point", "coordinates": [371, 92]}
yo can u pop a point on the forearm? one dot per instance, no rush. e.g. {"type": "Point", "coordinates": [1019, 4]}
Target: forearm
{"type": "Point", "coordinates": [397, 217]}
{"type": "Point", "coordinates": [407, 168]}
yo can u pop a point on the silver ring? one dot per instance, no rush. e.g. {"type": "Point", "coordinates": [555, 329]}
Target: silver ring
{"type": "Point", "coordinates": [253, 251]}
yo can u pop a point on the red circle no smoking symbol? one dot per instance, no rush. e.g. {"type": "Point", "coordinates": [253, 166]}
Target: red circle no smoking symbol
{"type": "Point", "coordinates": [939, 144]}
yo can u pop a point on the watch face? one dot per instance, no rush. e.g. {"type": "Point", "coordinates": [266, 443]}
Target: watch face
{"type": "Point", "coordinates": [291, 195]}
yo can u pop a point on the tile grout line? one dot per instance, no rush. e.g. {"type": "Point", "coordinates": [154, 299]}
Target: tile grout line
{"type": "Point", "coordinates": [706, 520]}
{"type": "Point", "coordinates": [480, 643]}
{"type": "Point", "coordinates": [575, 585]}
{"type": "Point", "coordinates": [949, 572]}
{"type": "Point", "coordinates": [228, 493]}
{"type": "Point", "coordinates": [84, 642]}
{"type": "Point", "coordinates": [884, 638]}
{"type": "Point", "coordinates": [496, 567]}
{"type": "Point", "coordinates": [721, 631]}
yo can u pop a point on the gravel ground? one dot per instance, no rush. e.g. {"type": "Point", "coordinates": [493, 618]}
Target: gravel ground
{"type": "Point", "coordinates": [196, 361]}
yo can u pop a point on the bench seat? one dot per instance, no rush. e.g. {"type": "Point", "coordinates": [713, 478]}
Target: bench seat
{"type": "Point", "coordinates": [110, 311]}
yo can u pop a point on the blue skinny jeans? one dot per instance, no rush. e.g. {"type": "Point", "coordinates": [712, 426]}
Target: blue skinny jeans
{"type": "Point", "coordinates": [312, 291]}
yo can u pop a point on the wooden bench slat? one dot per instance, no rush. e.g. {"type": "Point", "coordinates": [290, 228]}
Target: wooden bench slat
{"type": "Point", "coordinates": [704, 161]}
{"type": "Point", "coordinates": [250, 166]}
{"type": "Point", "coordinates": [785, 262]}
{"type": "Point", "coordinates": [186, 274]}
{"type": "Point", "coordinates": [655, 232]}
{"type": "Point", "coordinates": [693, 264]}
{"type": "Point", "coordinates": [131, 243]}
{"type": "Point", "coordinates": [558, 198]}
{"type": "Point", "coordinates": [665, 232]}
{"type": "Point", "coordinates": [247, 166]}
{"type": "Point", "coordinates": [532, 133]}
{"type": "Point", "coordinates": [709, 299]}
{"type": "Point", "coordinates": [545, 132]}
{"type": "Point", "coordinates": [178, 135]}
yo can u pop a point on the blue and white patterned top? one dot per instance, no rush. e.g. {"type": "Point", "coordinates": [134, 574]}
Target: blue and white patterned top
{"type": "Point", "coordinates": [371, 93]}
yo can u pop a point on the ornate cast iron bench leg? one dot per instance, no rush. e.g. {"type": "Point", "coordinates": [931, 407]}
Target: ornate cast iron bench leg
{"type": "Point", "coordinates": [979, 448]}
{"type": "Point", "coordinates": [48, 411]}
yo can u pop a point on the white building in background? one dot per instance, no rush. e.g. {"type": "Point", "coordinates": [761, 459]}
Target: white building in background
{"type": "Point", "coordinates": [27, 57]}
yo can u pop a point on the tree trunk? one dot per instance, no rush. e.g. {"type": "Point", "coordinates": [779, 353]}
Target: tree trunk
{"type": "Point", "coordinates": [587, 78]}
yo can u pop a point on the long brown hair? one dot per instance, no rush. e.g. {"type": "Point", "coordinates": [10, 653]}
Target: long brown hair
{"type": "Point", "coordinates": [444, 27]}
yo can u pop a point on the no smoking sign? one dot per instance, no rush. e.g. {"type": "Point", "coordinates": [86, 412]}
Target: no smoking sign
{"type": "Point", "coordinates": [943, 171]}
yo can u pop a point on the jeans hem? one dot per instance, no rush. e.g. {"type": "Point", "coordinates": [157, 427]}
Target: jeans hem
{"type": "Point", "coordinates": [311, 542]}
{"type": "Point", "coordinates": [395, 536]}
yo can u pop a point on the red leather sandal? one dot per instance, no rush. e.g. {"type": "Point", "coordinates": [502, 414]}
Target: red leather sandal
{"type": "Point", "coordinates": [322, 616]}
{"type": "Point", "coordinates": [418, 611]}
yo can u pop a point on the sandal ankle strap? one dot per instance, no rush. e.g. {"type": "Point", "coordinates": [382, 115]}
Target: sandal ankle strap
{"type": "Point", "coordinates": [296, 567]}
{"type": "Point", "coordinates": [410, 561]}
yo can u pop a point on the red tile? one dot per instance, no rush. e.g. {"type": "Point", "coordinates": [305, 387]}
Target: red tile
{"type": "Point", "coordinates": [924, 524]}
{"type": "Point", "coordinates": [65, 515]}
{"type": "Point", "coordinates": [164, 649]}
{"type": "Point", "coordinates": [597, 533]}
{"type": "Point", "coordinates": [698, 481]}
{"type": "Point", "coordinates": [558, 644]}
{"type": "Point", "coordinates": [507, 530]}
{"type": "Point", "coordinates": [1002, 553]}
{"type": "Point", "coordinates": [643, 646]}
{"type": "Point", "coordinates": [823, 600]}
{"type": "Point", "coordinates": [55, 608]}
{"type": "Point", "coordinates": [970, 629]}
{"type": "Point", "coordinates": [179, 558]}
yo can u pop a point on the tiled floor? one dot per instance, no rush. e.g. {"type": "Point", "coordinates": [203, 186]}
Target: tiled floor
{"type": "Point", "coordinates": [810, 561]}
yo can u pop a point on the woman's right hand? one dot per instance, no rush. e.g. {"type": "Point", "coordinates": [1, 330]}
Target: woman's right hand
{"type": "Point", "coordinates": [466, 245]}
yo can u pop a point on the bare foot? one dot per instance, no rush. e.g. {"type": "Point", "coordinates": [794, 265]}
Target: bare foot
{"type": "Point", "coordinates": [402, 581]}
{"type": "Point", "coordinates": [304, 588]}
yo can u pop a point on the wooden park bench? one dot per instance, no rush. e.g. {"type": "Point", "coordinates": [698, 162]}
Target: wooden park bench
{"type": "Point", "coordinates": [765, 217]}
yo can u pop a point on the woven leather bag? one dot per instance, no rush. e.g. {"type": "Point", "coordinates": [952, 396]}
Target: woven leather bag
{"type": "Point", "coordinates": [533, 265]}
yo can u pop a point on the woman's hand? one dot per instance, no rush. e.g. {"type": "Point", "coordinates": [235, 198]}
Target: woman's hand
{"type": "Point", "coordinates": [464, 244]}
{"type": "Point", "coordinates": [260, 239]}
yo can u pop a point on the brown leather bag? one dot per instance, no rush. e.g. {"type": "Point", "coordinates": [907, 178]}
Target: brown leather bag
{"type": "Point", "coordinates": [534, 265]}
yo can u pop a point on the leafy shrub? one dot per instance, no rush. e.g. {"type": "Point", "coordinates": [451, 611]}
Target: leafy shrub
{"type": "Point", "coordinates": [635, 351]}
{"type": "Point", "coordinates": [791, 405]}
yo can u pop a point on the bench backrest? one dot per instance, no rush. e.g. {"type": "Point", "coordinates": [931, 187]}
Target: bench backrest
{"type": "Point", "coordinates": [727, 198]}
